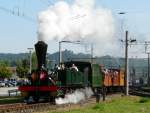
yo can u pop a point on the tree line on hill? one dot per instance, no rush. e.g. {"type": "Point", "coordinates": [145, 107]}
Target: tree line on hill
{"type": "Point", "coordinates": [21, 61]}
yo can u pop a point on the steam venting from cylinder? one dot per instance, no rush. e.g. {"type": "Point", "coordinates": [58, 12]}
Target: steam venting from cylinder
{"type": "Point", "coordinates": [41, 49]}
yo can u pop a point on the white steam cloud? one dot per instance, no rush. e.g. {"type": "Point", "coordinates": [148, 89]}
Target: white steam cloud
{"type": "Point", "coordinates": [75, 97]}
{"type": "Point", "coordinates": [81, 20]}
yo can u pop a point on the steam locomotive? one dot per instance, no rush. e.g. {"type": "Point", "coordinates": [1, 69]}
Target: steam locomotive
{"type": "Point", "coordinates": [64, 79]}
{"type": "Point", "coordinates": [40, 84]}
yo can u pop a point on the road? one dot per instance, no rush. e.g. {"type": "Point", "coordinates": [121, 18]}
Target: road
{"type": "Point", "coordinates": [4, 90]}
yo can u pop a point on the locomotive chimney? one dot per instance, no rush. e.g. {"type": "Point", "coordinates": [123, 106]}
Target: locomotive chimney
{"type": "Point", "coordinates": [41, 50]}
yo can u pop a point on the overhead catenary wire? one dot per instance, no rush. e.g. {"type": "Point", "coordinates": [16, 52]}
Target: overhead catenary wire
{"type": "Point", "coordinates": [17, 13]}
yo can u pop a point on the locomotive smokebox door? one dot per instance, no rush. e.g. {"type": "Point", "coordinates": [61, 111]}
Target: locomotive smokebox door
{"type": "Point", "coordinates": [41, 49]}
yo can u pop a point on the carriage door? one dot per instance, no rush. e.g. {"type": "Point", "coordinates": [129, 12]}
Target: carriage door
{"type": "Point", "coordinates": [96, 76]}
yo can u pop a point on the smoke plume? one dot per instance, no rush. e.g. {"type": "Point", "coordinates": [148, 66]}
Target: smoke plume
{"type": "Point", "coordinates": [80, 20]}
{"type": "Point", "coordinates": [75, 97]}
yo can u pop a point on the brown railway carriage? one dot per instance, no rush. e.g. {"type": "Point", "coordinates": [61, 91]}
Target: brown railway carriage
{"type": "Point", "coordinates": [107, 79]}
{"type": "Point", "coordinates": [122, 78]}
{"type": "Point", "coordinates": [113, 79]}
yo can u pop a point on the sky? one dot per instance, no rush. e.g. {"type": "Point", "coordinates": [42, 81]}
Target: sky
{"type": "Point", "coordinates": [19, 24]}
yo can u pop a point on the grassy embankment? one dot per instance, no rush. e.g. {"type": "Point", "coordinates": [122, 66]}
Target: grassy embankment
{"type": "Point", "coordinates": [130, 104]}
{"type": "Point", "coordinates": [10, 100]}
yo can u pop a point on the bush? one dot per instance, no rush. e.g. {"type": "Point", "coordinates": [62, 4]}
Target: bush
{"type": "Point", "coordinates": [144, 100]}
{"type": "Point", "coordinates": [5, 72]}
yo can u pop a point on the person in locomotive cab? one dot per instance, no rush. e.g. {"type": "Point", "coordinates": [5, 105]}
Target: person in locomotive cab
{"type": "Point", "coordinates": [56, 67]}
{"type": "Point", "coordinates": [42, 72]}
{"type": "Point", "coordinates": [62, 66]}
{"type": "Point", "coordinates": [74, 67]}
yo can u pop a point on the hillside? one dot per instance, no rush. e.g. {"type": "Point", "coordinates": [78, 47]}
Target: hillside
{"type": "Point", "coordinates": [138, 65]}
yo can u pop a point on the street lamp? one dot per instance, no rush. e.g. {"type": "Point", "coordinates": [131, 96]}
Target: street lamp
{"type": "Point", "coordinates": [75, 42]}
{"type": "Point", "coordinates": [92, 53]}
{"type": "Point", "coordinates": [30, 52]}
{"type": "Point", "coordinates": [122, 20]}
{"type": "Point", "coordinates": [60, 51]}
{"type": "Point", "coordinates": [126, 59]}
{"type": "Point", "coordinates": [122, 13]}
{"type": "Point", "coordinates": [91, 50]}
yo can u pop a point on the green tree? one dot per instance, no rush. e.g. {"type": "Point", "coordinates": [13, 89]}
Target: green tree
{"type": "Point", "coordinates": [34, 61]}
{"type": "Point", "coordinates": [4, 63]}
{"type": "Point", "coordinates": [5, 72]}
{"type": "Point", "coordinates": [22, 68]}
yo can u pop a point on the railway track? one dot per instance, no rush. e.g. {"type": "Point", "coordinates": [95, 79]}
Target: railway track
{"type": "Point", "coordinates": [23, 108]}
{"type": "Point", "coordinates": [30, 108]}
{"type": "Point", "coordinates": [42, 107]}
{"type": "Point", "coordinates": [139, 92]}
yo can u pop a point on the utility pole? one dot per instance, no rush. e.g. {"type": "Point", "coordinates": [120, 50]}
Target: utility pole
{"type": "Point", "coordinates": [92, 53]}
{"type": "Point", "coordinates": [127, 42]}
{"type": "Point", "coordinates": [30, 52]}
{"type": "Point", "coordinates": [126, 64]}
{"type": "Point", "coordinates": [148, 78]}
{"type": "Point", "coordinates": [148, 53]}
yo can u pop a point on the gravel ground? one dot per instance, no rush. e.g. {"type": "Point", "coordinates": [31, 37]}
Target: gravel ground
{"type": "Point", "coordinates": [68, 107]}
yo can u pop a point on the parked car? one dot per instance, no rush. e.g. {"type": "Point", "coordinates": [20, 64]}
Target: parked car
{"type": "Point", "coordinates": [2, 84]}
{"type": "Point", "coordinates": [14, 83]}
{"type": "Point", "coordinates": [8, 84]}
